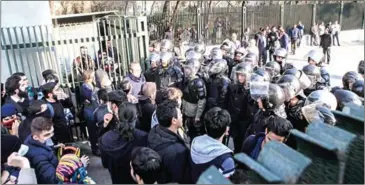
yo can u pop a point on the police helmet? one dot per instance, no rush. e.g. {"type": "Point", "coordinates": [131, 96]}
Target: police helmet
{"type": "Point", "coordinates": [324, 97]}
{"type": "Point", "coordinates": [315, 55]}
{"type": "Point", "coordinates": [216, 53]}
{"type": "Point", "coordinates": [166, 58]}
{"type": "Point", "coordinates": [239, 54]}
{"type": "Point", "coordinates": [166, 45]}
{"type": "Point", "coordinates": [226, 46]}
{"type": "Point", "coordinates": [319, 113]}
{"type": "Point", "coordinates": [361, 67]}
{"type": "Point", "coordinates": [273, 68]}
{"type": "Point", "coordinates": [281, 52]}
{"type": "Point", "coordinates": [245, 68]}
{"type": "Point", "coordinates": [200, 48]}
{"type": "Point", "coordinates": [188, 51]}
{"type": "Point", "coordinates": [251, 58]}
{"type": "Point", "coordinates": [290, 85]}
{"type": "Point", "coordinates": [349, 78]}
{"type": "Point", "coordinates": [191, 68]}
{"type": "Point", "coordinates": [194, 62]}
{"type": "Point", "coordinates": [305, 82]}
{"type": "Point", "coordinates": [345, 97]}
{"type": "Point", "coordinates": [358, 87]}
{"type": "Point", "coordinates": [260, 75]}
{"type": "Point", "coordinates": [313, 73]}
{"type": "Point", "coordinates": [194, 55]}
{"type": "Point", "coordinates": [219, 67]}
{"type": "Point", "coordinates": [276, 96]}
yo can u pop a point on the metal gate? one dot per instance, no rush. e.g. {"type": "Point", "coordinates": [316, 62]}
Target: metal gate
{"type": "Point", "coordinates": [34, 49]}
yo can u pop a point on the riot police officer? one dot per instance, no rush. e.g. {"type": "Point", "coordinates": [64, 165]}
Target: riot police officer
{"type": "Point", "coordinates": [361, 68]}
{"type": "Point", "coordinates": [154, 62]}
{"type": "Point", "coordinates": [194, 99]}
{"type": "Point", "coordinates": [358, 88]}
{"type": "Point", "coordinates": [314, 74]}
{"type": "Point", "coordinates": [252, 59]}
{"type": "Point", "coordinates": [227, 55]}
{"type": "Point", "coordinates": [217, 85]}
{"type": "Point", "coordinates": [270, 105]}
{"type": "Point", "coordinates": [239, 57]}
{"type": "Point", "coordinates": [200, 48]}
{"type": "Point", "coordinates": [301, 76]}
{"type": "Point", "coordinates": [345, 97]}
{"type": "Point", "coordinates": [260, 75]}
{"type": "Point", "coordinates": [324, 97]}
{"type": "Point", "coordinates": [349, 79]}
{"type": "Point", "coordinates": [280, 57]}
{"type": "Point", "coordinates": [326, 76]}
{"type": "Point", "coordinates": [168, 74]}
{"type": "Point", "coordinates": [315, 58]}
{"type": "Point", "coordinates": [273, 68]}
{"type": "Point", "coordinates": [294, 100]}
{"type": "Point", "coordinates": [238, 102]}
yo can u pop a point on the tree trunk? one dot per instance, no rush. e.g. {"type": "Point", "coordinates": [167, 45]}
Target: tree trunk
{"type": "Point", "coordinates": [165, 14]}
{"type": "Point", "coordinates": [173, 17]}
{"type": "Point", "coordinates": [206, 21]}
{"type": "Point", "coordinates": [126, 7]}
{"type": "Point", "coordinates": [153, 5]}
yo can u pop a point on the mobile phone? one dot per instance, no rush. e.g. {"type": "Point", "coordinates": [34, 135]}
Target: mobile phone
{"type": "Point", "coordinates": [23, 150]}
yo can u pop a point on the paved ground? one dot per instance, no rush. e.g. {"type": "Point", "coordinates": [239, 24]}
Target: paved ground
{"type": "Point", "coordinates": [344, 58]}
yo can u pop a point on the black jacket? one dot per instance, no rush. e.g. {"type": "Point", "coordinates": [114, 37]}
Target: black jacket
{"type": "Point", "coordinates": [21, 107]}
{"type": "Point", "coordinates": [24, 128]}
{"type": "Point", "coordinates": [146, 109]}
{"type": "Point", "coordinates": [326, 41]}
{"type": "Point", "coordinates": [116, 154]}
{"type": "Point", "coordinates": [174, 153]}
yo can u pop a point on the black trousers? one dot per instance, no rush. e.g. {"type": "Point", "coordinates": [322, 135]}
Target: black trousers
{"type": "Point", "coordinates": [194, 129]}
{"type": "Point", "coordinates": [262, 57]}
{"type": "Point", "coordinates": [335, 36]}
{"type": "Point", "coordinates": [327, 54]}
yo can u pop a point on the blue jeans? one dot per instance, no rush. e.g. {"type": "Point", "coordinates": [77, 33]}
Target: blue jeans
{"type": "Point", "coordinates": [91, 127]}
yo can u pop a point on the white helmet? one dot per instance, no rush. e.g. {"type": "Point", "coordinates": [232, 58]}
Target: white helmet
{"type": "Point", "coordinates": [315, 55]}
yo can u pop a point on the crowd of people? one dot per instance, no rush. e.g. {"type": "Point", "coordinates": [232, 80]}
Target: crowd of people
{"type": "Point", "coordinates": [171, 122]}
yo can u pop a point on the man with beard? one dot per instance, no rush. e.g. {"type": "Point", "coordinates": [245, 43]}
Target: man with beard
{"type": "Point", "coordinates": [280, 57]}
{"type": "Point", "coordinates": [217, 86]}
{"type": "Point", "coordinates": [82, 62]}
{"type": "Point", "coordinates": [32, 92]}
{"type": "Point", "coordinates": [168, 74]}
{"type": "Point", "coordinates": [136, 78]}
{"type": "Point", "coordinates": [154, 61]}
{"type": "Point", "coordinates": [17, 94]}
{"type": "Point", "coordinates": [194, 99]}
{"type": "Point", "coordinates": [58, 101]}
{"type": "Point", "coordinates": [238, 95]}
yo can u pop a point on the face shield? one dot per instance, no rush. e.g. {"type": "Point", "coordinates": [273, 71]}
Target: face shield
{"type": "Point", "coordinates": [318, 112]}
{"type": "Point", "coordinates": [259, 90]}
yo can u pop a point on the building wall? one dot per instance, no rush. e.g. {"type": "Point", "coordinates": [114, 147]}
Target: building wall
{"type": "Point", "coordinates": [22, 13]}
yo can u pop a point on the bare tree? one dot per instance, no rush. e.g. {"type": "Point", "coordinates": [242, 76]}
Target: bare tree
{"type": "Point", "coordinates": [173, 17]}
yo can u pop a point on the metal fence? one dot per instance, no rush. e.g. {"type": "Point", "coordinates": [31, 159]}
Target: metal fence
{"type": "Point", "coordinates": [34, 49]}
{"type": "Point", "coordinates": [220, 23]}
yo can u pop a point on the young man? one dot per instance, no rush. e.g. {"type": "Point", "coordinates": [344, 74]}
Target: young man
{"type": "Point", "coordinates": [276, 129]}
{"type": "Point", "coordinates": [58, 101]}
{"type": "Point", "coordinates": [326, 43]}
{"type": "Point", "coordinates": [17, 94]}
{"type": "Point", "coordinates": [165, 140]}
{"type": "Point", "coordinates": [9, 120]}
{"type": "Point", "coordinates": [207, 150]}
{"type": "Point", "coordinates": [31, 91]}
{"type": "Point", "coordinates": [136, 78]}
{"type": "Point", "coordinates": [145, 165]}
{"type": "Point", "coordinates": [41, 156]}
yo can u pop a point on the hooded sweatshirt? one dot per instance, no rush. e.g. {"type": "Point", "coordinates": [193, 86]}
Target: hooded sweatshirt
{"type": "Point", "coordinates": [174, 152]}
{"type": "Point", "coordinates": [206, 151]}
{"type": "Point", "coordinates": [116, 154]}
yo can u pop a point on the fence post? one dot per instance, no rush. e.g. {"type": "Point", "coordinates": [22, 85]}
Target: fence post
{"type": "Point", "coordinates": [282, 15]}
{"type": "Point", "coordinates": [243, 19]}
{"type": "Point", "coordinates": [198, 21]}
{"type": "Point", "coordinates": [314, 13]}
{"type": "Point", "coordinates": [341, 14]}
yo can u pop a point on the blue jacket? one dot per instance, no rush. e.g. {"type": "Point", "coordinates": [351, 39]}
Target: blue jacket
{"type": "Point", "coordinates": [174, 153]}
{"type": "Point", "coordinates": [252, 145]}
{"type": "Point", "coordinates": [294, 33]}
{"type": "Point", "coordinates": [284, 41]}
{"type": "Point", "coordinates": [206, 151]}
{"type": "Point", "coordinates": [43, 160]}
